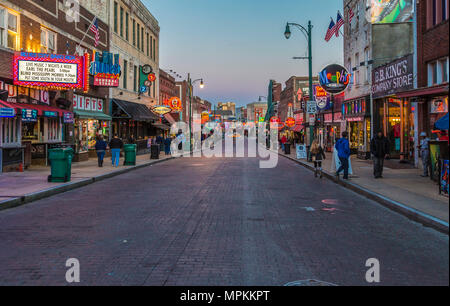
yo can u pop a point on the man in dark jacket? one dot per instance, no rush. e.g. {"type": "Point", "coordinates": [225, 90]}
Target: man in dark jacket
{"type": "Point", "coordinates": [100, 147]}
{"type": "Point", "coordinates": [115, 145]}
{"type": "Point", "coordinates": [379, 147]}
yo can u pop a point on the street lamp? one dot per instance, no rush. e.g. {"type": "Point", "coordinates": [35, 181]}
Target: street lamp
{"type": "Point", "coordinates": [308, 35]}
{"type": "Point", "coordinates": [190, 90]}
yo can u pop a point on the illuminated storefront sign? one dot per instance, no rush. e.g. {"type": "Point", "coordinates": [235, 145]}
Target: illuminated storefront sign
{"type": "Point", "coordinates": [175, 104]}
{"type": "Point", "coordinates": [334, 79]}
{"type": "Point", "coordinates": [7, 112]}
{"type": "Point", "coordinates": [290, 122]}
{"type": "Point", "coordinates": [50, 114]}
{"type": "Point", "coordinates": [161, 110]}
{"type": "Point", "coordinates": [87, 103]}
{"type": "Point", "coordinates": [106, 69]}
{"type": "Point", "coordinates": [50, 71]}
{"type": "Point", "coordinates": [29, 115]}
{"type": "Point", "coordinates": [68, 118]}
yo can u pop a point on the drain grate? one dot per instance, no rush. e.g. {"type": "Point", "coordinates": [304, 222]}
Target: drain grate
{"type": "Point", "coordinates": [309, 283]}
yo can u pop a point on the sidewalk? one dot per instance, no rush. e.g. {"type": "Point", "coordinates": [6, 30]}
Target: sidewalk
{"type": "Point", "coordinates": [405, 186]}
{"type": "Point", "coordinates": [19, 187]}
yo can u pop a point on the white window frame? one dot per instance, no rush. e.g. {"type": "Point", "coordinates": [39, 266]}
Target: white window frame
{"type": "Point", "coordinates": [53, 130]}
{"type": "Point", "coordinates": [5, 30]}
{"type": "Point", "coordinates": [16, 124]}
{"type": "Point", "coordinates": [45, 43]}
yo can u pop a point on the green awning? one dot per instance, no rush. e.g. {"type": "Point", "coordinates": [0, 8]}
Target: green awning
{"type": "Point", "coordinates": [84, 114]}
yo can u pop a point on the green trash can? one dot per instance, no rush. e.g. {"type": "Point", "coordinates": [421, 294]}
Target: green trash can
{"type": "Point", "coordinates": [61, 164]}
{"type": "Point", "coordinates": [130, 154]}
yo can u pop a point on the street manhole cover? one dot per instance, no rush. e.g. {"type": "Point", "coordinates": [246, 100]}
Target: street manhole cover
{"type": "Point", "coordinates": [309, 283]}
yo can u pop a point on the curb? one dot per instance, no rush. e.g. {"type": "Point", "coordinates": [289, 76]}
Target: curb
{"type": "Point", "coordinates": [410, 213]}
{"type": "Point", "coordinates": [38, 195]}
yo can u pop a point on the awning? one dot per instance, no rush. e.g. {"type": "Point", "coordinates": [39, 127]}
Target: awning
{"type": "Point", "coordinates": [169, 118]}
{"type": "Point", "coordinates": [84, 114]}
{"type": "Point", "coordinates": [41, 109]}
{"type": "Point", "coordinates": [442, 124]}
{"type": "Point", "coordinates": [135, 111]}
{"type": "Point", "coordinates": [161, 126]}
{"type": "Point", "coordinates": [297, 128]}
{"type": "Point", "coordinates": [426, 91]}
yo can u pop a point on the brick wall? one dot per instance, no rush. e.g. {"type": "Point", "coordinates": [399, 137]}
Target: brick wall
{"type": "Point", "coordinates": [432, 43]}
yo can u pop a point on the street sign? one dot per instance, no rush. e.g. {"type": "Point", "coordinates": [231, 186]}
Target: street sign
{"type": "Point", "coordinates": [311, 107]}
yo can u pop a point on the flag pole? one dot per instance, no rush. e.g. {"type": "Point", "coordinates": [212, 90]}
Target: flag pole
{"type": "Point", "coordinates": [85, 33]}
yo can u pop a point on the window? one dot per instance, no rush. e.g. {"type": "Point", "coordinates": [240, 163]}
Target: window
{"type": "Point", "coordinates": [53, 129]}
{"type": "Point", "coordinates": [10, 131]}
{"type": "Point", "coordinates": [366, 62]}
{"type": "Point", "coordinates": [151, 46]}
{"type": "Point", "coordinates": [125, 71]}
{"type": "Point", "coordinates": [48, 41]}
{"type": "Point", "coordinates": [434, 12]}
{"type": "Point", "coordinates": [134, 32]}
{"type": "Point", "coordinates": [154, 49]}
{"type": "Point", "coordinates": [127, 30]}
{"type": "Point", "coordinates": [121, 21]}
{"type": "Point", "coordinates": [356, 68]}
{"type": "Point", "coordinates": [115, 17]}
{"type": "Point", "coordinates": [142, 39]}
{"type": "Point", "coordinates": [135, 79]}
{"type": "Point", "coordinates": [148, 45]}
{"type": "Point", "coordinates": [432, 74]}
{"type": "Point", "coordinates": [138, 32]}
{"type": "Point", "coordinates": [8, 29]}
{"type": "Point", "coordinates": [444, 69]}
{"type": "Point", "coordinates": [444, 9]}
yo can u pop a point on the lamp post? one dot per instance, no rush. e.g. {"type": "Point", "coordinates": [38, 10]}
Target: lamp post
{"type": "Point", "coordinates": [190, 89]}
{"type": "Point", "coordinates": [308, 35]}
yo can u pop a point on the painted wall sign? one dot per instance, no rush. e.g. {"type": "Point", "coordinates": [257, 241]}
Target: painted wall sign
{"type": "Point", "coordinates": [396, 76]}
{"type": "Point", "coordinates": [50, 71]}
{"type": "Point", "coordinates": [106, 69]}
{"type": "Point", "coordinates": [87, 103]}
{"type": "Point", "coordinates": [334, 79]}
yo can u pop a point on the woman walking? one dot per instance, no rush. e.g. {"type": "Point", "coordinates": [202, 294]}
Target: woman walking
{"type": "Point", "coordinates": [318, 155]}
{"type": "Point", "coordinates": [100, 147]}
{"type": "Point", "coordinates": [115, 145]}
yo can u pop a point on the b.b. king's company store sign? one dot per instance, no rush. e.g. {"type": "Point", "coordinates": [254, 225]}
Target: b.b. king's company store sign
{"type": "Point", "coordinates": [394, 77]}
{"type": "Point", "coordinates": [106, 69]}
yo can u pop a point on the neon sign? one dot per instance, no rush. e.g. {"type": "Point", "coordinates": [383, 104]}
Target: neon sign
{"type": "Point", "coordinates": [334, 79]}
{"type": "Point", "coordinates": [50, 71]}
{"type": "Point", "coordinates": [105, 69]}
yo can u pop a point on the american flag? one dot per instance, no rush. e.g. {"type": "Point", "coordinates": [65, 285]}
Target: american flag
{"type": "Point", "coordinates": [339, 23]}
{"type": "Point", "coordinates": [331, 30]}
{"type": "Point", "coordinates": [94, 29]}
{"type": "Point", "coordinates": [350, 15]}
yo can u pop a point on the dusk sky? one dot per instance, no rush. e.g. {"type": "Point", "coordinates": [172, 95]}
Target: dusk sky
{"type": "Point", "coordinates": [237, 46]}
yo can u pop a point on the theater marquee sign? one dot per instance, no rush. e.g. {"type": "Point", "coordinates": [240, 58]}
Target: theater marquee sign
{"type": "Point", "coordinates": [397, 76]}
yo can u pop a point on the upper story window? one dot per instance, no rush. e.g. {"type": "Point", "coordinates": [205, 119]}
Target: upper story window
{"type": "Point", "coordinates": [121, 21]}
{"type": "Point", "coordinates": [9, 32]}
{"type": "Point", "coordinates": [437, 12]}
{"type": "Point", "coordinates": [48, 41]}
{"type": "Point", "coordinates": [116, 22]}
{"type": "Point", "coordinates": [438, 71]}
{"type": "Point", "coordinates": [127, 30]}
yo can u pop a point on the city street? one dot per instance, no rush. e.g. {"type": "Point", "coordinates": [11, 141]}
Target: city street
{"type": "Point", "coordinates": [216, 221]}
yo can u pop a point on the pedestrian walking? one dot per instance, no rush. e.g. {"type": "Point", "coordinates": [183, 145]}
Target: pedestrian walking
{"type": "Point", "coordinates": [317, 154]}
{"type": "Point", "coordinates": [131, 139]}
{"type": "Point", "coordinates": [167, 143]}
{"type": "Point", "coordinates": [343, 149]}
{"type": "Point", "coordinates": [283, 143]}
{"type": "Point", "coordinates": [379, 148]}
{"type": "Point", "coordinates": [424, 148]}
{"type": "Point", "coordinates": [115, 145]}
{"type": "Point", "coordinates": [100, 147]}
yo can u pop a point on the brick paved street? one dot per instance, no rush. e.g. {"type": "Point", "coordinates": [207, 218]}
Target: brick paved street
{"type": "Point", "coordinates": [221, 221]}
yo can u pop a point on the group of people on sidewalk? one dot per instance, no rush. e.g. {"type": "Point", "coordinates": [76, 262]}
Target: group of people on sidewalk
{"type": "Point", "coordinates": [116, 144]}
{"type": "Point", "coordinates": [379, 149]}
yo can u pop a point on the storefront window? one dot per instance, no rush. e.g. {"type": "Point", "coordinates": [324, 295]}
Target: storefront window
{"type": "Point", "coordinates": [30, 131]}
{"type": "Point", "coordinates": [54, 129]}
{"type": "Point", "coordinates": [9, 131]}
{"type": "Point", "coordinates": [393, 131]}
{"type": "Point", "coordinates": [87, 131]}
